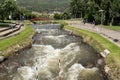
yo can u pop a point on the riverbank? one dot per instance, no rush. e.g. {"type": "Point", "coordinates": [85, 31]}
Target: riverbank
{"type": "Point", "coordinates": [14, 44]}
{"type": "Point", "coordinates": [99, 43]}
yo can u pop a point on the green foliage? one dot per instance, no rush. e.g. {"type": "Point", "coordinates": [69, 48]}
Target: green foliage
{"type": "Point", "coordinates": [97, 18]}
{"type": "Point", "coordinates": [66, 16]}
{"type": "Point", "coordinates": [91, 10]}
{"type": "Point", "coordinates": [10, 7]}
{"type": "Point", "coordinates": [77, 7]}
{"type": "Point", "coordinates": [116, 28]}
{"type": "Point", "coordinates": [57, 16]}
{"type": "Point", "coordinates": [90, 18]}
{"type": "Point", "coordinates": [7, 7]}
{"type": "Point", "coordinates": [22, 13]}
{"type": "Point", "coordinates": [4, 24]}
{"type": "Point", "coordinates": [45, 5]}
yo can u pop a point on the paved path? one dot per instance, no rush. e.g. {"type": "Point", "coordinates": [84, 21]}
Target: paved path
{"type": "Point", "coordinates": [111, 35]}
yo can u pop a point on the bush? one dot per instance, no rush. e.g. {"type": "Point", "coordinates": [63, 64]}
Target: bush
{"type": "Point", "coordinates": [97, 19]}
{"type": "Point", "coordinates": [57, 16]}
{"type": "Point", "coordinates": [4, 24]}
{"type": "Point", "coordinates": [90, 18]}
{"type": "Point", "coordinates": [66, 16]}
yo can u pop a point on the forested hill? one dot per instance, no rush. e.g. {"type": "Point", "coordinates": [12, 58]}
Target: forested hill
{"type": "Point", "coordinates": [45, 5]}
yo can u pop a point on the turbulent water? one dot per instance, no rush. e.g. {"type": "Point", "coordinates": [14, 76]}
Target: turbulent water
{"type": "Point", "coordinates": [55, 54]}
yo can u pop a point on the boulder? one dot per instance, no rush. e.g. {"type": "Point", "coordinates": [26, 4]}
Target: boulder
{"type": "Point", "coordinates": [105, 53]}
{"type": "Point", "coordinates": [1, 58]}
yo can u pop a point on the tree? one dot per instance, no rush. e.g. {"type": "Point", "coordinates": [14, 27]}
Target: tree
{"type": "Point", "coordinates": [111, 9]}
{"type": "Point", "coordinates": [2, 9]}
{"type": "Point", "coordinates": [77, 7]}
{"type": "Point", "coordinates": [10, 6]}
{"type": "Point", "coordinates": [91, 8]}
{"type": "Point", "coordinates": [65, 15]}
{"type": "Point", "coordinates": [115, 12]}
{"type": "Point", "coordinates": [7, 7]}
{"type": "Point", "coordinates": [57, 16]}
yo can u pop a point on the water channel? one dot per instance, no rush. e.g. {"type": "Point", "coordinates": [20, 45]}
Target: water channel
{"type": "Point", "coordinates": [55, 53]}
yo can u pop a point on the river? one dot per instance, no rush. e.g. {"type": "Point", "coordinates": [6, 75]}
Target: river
{"type": "Point", "coordinates": [55, 55]}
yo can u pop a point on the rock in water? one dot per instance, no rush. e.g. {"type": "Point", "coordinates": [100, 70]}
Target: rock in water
{"type": "Point", "coordinates": [1, 58]}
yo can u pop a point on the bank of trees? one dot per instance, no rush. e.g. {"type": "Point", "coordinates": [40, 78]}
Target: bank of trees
{"type": "Point", "coordinates": [9, 9]}
{"type": "Point", "coordinates": [45, 5]}
{"type": "Point", "coordinates": [91, 10]}
{"type": "Point", "coordinates": [64, 16]}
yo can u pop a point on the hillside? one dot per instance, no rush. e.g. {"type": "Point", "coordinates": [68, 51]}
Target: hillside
{"type": "Point", "coordinates": [45, 5]}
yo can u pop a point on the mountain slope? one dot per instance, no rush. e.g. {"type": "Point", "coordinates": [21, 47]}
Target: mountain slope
{"type": "Point", "coordinates": [45, 5]}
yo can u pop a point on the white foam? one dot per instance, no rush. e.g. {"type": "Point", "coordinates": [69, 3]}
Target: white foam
{"type": "Point", "coordinates": [73, 71]}
{"type": "Point", "coordinates": [57, 39]}
{"type": "Point", "coordinates": [24, 73]}
{"type": "Point", "coordinates": [47, 63]}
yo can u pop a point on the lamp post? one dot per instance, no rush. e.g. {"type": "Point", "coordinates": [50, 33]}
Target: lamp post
{"type": "Point", "coordinates": [81, 14]}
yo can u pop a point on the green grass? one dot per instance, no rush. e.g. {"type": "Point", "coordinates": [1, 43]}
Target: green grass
{"type": "Point", "coordinates": [18, 39]}
{"type": "Point", "coordinates": [116, 28]}
{"type": "Point", "coordinates": [99, 43]}
{"type": "Point", "coordinates": [4, 24]}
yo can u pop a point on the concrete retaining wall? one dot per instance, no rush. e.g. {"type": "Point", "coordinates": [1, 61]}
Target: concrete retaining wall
{"type": "Point", "coordinates": [47, 26]}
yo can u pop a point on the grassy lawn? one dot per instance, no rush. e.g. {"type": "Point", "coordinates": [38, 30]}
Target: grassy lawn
{"type": "Point", "coordinates": [6, 21]}
{"type": "Point", "coordinates": [116, 28]}
{"type": "Point", "coordinates": [99, 44]}
{"type": "Point", "coordinates": [4, 24]}
{"type": "Point", "coordinates": [18, 39]}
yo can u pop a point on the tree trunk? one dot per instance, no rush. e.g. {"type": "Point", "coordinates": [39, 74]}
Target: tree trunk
{"type": "Point", "coordinates": [107, 14]}
{"type": "Point", "coordinates": [112, 20]}
{"type": "Point", "coordinates": [2, 18]}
